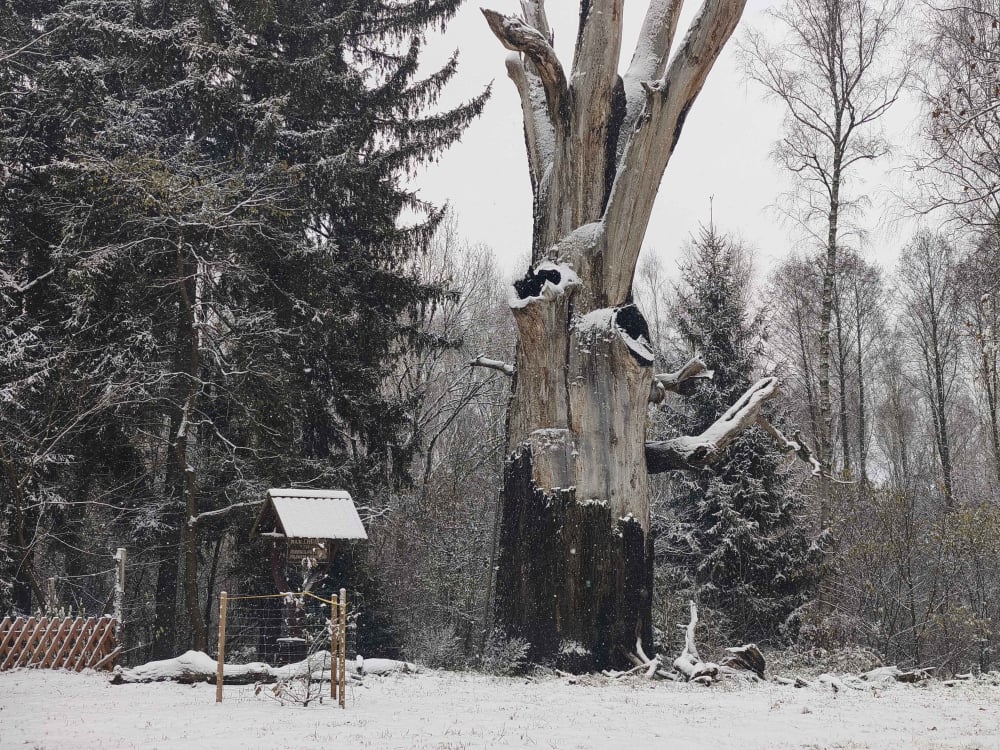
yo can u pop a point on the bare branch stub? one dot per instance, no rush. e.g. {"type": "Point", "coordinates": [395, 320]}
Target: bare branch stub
{"type": "Point", "coordinates": [492, 364]}
{"type": "Point", "coordinates": [517, 36]}
{"type": "Point", "coordinates": [670, 382]}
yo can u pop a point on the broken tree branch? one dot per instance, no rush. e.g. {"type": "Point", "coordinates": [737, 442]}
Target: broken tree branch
{"type": "Point", "coordinates": [690, 647]}
{"type": "Point", "coordinates": [539, 137]}
{"type": "Point", "coordinates": [492, 364]}
{"type": "Point", "coordinates": [651, 143]}
{"type": "Point", "coordinates": [649, 61]}
{"type": "Point", "coordinates": [798, 447]}
{"type": "Point", "coordinates": [517, 36]}
{"type": "Point", "coordinates": [201, 517]}
{"type": "Point", "coordinates": [689, 663]}
{"type": "Point", "coordinates": [693, 452]}
{"type": "Point", "coordinates": [594, 80]}
{"type": "Point", "coordinates": [671, 381]}
{"type": "Point", "coordinates": [746, 658]}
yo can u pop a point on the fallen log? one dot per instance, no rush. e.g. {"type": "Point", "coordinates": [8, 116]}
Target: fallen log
{"type": "Point", "coordinates": [197, 666]}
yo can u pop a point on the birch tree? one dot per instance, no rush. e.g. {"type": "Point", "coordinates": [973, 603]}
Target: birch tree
{"type": "Point", "coordinates": [575, 565]}
{"type": "Point", "coordinates": [828, 72]}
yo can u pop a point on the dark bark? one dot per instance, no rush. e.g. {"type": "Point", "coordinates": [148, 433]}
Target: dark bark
{"type": "Point", "coordinates": [569, 573]}
{"type": "Point", "coordinates": [164, 625]}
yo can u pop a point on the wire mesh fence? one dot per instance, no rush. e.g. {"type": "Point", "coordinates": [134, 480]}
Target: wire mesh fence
{"type": "Point", "coordinates": [291, 647]}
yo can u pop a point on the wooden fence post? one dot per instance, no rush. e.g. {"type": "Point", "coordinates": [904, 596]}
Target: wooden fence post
{"type": "Point", "coordinates": [223, 602]}
{"type": "Point", "coordinates": [51, 603]}
{"type": "Point", "coordinates": [120, 591]}
{"type": "Point", "coordinates": [334, 648]}
{"type": "Point", "coordinates": [343, 646]}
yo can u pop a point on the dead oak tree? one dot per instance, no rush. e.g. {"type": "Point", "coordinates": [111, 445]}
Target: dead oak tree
{"type": "Point", "coordinates": [575, 564]}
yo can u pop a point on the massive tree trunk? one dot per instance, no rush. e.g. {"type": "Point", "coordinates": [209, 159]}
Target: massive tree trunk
{"type": "Point", "coordinates": [575, 571]}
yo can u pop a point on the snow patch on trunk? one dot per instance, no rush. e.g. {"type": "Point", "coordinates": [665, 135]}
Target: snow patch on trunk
{"type": "Point", "coordinates": [543, 283]}
{"type": "Point", "coordinates": [625, 321]}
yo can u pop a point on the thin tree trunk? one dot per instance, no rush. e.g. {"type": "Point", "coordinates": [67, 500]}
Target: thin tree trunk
{"type": "Point", "coordinates": [859, 369]}
{"type": "Point", "coordinates": [825, 407]}
{"type": "Point", "coordinates": [845, 443]}
{"type": "Point", "coordinates": [189, 353]}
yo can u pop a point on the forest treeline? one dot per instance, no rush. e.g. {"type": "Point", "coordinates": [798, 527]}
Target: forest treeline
{"type": "Point", "coordinates": [208, 288]}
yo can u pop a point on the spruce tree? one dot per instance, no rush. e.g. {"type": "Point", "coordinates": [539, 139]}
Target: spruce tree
{"type": "Point", "coordinates": [209, 197]}
{"type": "Point", "coordinates": [734, 545]}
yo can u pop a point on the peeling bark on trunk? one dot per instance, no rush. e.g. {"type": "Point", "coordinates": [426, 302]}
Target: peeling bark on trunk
{"type": "Point", "coordinates": [575, 566]}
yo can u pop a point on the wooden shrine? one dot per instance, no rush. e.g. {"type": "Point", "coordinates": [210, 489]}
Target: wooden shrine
{"type": "Point", "coordinates": [306, 526]}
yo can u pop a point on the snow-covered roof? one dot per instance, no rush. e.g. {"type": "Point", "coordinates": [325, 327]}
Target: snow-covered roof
{"type": "Point", "coordinates": [313, 514]}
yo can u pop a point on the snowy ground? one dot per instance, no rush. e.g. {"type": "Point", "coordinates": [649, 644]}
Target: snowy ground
{"type": "Point", "coordinates": [448, 711]}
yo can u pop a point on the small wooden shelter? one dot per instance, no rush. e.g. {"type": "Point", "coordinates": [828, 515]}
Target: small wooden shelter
{"type": "Point", "coordinates": [306, 525]}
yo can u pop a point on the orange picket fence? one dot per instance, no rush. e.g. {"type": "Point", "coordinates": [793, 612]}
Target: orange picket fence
{"type": "Point", "coordinates": [59, 642]}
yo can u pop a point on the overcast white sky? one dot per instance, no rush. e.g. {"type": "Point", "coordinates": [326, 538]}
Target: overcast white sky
{"type": "Point", "coordinates": [724, 151]}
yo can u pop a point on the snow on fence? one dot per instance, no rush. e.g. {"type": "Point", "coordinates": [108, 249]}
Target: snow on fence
{"type": "Point", "coordinates": [303, 632]}
{"type": "Point", "coordinates": [59, 642]}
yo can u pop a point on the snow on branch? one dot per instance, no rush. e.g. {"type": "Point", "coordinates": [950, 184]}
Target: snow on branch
{"type": "Point", "coordinates": [539, 135]}
{"type": "Point", "coordinates": [625, 321]}
{"type": "Point", "coordinates": [27, 285]}
{"type": "Point", "coordinates": [518, 36]}
{"type": "Point", "coordinates": [649, 61]}
{"type": "Point", "coordinates": [492, 364]}
{"type": "Point", "coordinates": [691, 452]}
{"type": "Point", "coordinates": [689, 663]}
{"type": "Point", "coordinates": [201, 517]}
{"type": "Point", "coordinates": [665, 382]}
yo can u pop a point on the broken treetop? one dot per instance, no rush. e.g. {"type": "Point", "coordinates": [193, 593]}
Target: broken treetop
{"type": "Point", "coordinates": [310, 514]}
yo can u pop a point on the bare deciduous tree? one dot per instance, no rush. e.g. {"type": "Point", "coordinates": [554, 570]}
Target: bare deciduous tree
{"type": "Point", "coordinates": [828, 71]}
{"type": "Point", "coordinates": [931, 324]}
{"type": "Point", "coordinates": [960, 170]}
{"type": "Point", "coordinates": [575, 563]}
{"type": "Point", "coordinates": [979, 284]}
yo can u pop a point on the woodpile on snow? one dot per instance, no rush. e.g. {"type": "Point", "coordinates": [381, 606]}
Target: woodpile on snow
{"type": "Point", "coordinates": [741, 662]}
{"type": "Point", "coordinates": [747, 663]}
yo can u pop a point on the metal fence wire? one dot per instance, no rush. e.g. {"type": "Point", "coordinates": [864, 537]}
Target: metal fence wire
{"type": "Point", "coordinates": [283, 646]}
